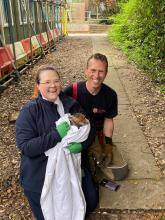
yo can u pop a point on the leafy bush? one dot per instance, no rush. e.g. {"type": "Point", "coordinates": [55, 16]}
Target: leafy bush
{"type": "Point", "coordinates": [162, 89]}
{"type": "Point", "coordinates": [139, 30]}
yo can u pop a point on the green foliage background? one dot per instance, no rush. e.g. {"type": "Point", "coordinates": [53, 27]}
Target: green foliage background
{"type": "Point", "coordinates": [139, 29]}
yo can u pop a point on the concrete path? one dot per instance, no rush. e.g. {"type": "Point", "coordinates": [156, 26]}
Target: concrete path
{"type": "Point", "coordinates": [144, 188]}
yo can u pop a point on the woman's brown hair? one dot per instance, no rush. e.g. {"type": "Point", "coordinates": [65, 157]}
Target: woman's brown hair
{"type": "Point", "coordinates": [37, 78]}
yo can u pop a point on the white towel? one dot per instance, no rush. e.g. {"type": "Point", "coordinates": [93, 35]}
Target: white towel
{"type": "Point", "coordinates": [62, 196]}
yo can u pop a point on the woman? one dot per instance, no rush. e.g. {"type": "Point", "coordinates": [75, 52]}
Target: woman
{"type": "Point", "coordinates": [36, 133]}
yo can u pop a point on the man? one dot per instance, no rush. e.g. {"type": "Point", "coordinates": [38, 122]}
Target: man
{"type": "Point", "coordinates": [97, 99]}
{"type": "Point", "coordinates": [100, 104]}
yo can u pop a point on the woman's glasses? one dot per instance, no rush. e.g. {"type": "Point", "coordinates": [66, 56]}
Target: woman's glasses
{"type": "Point", "coordinates": [49, 83]}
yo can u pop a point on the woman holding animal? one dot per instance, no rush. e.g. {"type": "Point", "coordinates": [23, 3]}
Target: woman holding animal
{"type": "Point", "coordinates": [37, 133]}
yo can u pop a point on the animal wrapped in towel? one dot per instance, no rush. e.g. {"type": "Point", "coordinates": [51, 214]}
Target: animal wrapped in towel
{"type": "Point", "coordinates": [78, 119]}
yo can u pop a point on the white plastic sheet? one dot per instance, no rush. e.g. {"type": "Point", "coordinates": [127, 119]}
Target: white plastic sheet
{"type": "Point", "coordinates": [62, 196]}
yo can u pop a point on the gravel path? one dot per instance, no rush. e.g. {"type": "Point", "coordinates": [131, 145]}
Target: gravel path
{"type": "Point", "coordinates": [70, 59]}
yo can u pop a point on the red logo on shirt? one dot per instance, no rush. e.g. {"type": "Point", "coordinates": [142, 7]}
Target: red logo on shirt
{"type": "Point", "coordinates": [98, 111]}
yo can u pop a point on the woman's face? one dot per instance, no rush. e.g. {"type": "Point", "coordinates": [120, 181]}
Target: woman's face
{"type": "Point", "coordinates": [49, 85]}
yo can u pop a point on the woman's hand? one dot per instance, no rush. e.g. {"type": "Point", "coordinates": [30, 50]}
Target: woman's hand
{"type": "Point", "coordinates": [63, 129]}
{"type": "Point", "coordinates": [75, 147]}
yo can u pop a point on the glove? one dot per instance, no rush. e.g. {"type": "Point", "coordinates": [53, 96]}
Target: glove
{"type": "Point", "coordinates": [63, 129]}
{"type": "Point", "coordinates": [108, 140]}
{"type": "Point", "coordinates": [75, 147]}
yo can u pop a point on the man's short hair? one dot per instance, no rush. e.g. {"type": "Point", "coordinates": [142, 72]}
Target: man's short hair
{"type": "Point", "coordinates": [99, 56]}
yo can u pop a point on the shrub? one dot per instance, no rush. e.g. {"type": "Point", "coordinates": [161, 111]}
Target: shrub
{"type": "Point", "coordinates": [139, 30]}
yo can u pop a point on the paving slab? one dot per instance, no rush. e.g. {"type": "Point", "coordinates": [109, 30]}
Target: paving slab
{"type": "Point", "coordinates": [143, 188]}
{"type": "Point", "coordinates": [134, 194]}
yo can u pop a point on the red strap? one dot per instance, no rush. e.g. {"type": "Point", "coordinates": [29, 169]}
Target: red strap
{"type": "Point", "coordinates": [74, 90]}
{"type": "Point", "coordinates": [100, 137]}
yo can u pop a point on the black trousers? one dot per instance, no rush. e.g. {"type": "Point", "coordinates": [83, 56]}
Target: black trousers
{"type": "Point", "coordinates": [90, 190]}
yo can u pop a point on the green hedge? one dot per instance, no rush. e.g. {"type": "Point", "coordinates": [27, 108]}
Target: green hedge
{"type": "Point", "coordinates": [139, 30]}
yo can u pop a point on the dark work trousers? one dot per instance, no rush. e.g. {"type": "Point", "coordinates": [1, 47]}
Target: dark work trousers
{"type": "Point", "coordinates": [34, 202]}
{"type": "Point", "coordinates": [90, 191]}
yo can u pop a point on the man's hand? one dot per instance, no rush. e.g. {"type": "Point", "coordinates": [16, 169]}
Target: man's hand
{"type": "Point", "coordinates": [63, 129]}
{"type": "Point", "coordinates": [75, 147]}
{"type": "Point", "coordinates": [108, 140]}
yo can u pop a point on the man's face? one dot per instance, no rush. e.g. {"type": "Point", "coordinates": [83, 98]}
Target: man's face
{"type": "Point", "coordinates": [96, 73]}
